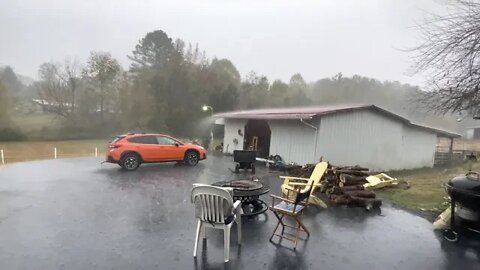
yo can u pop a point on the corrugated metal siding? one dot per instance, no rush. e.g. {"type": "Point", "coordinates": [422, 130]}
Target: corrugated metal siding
{"type": "Point", "coordinates": [374, 141]}
{"type": "Point", "coordinates": [292, 140]}
{"type": "Point", "coordinates": [363, 138]}
{"type": "Point", "coordinates": [231, 132]}
{"type": "Point", "coordinates": [418, 148]}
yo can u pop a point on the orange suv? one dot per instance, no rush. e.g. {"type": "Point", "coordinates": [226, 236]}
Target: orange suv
{"type": "Point", "coordinates": [132, 149]}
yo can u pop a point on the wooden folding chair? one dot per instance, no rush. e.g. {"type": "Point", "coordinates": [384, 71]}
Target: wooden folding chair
{"type": "Point", "coordinates": [293, 209]}
{"type": "Point", "coordinates": [291, 183]}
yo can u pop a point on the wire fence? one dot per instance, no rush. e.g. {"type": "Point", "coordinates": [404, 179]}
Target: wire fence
{"type": "Point", "coordinates": [10, 156]}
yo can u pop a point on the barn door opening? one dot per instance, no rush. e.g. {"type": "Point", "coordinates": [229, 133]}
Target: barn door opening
{"type": "Point", "coordinates": [257, 137]}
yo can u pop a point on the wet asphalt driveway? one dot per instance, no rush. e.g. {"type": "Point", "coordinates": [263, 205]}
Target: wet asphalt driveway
{"type": "Point", "coordinates": [78, 214]}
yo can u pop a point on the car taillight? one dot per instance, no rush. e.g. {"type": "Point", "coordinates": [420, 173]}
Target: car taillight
{"type": "Point", "coordinates": [114, 146]}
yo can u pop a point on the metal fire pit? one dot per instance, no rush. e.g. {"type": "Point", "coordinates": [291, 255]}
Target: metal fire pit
{"type": "Point", "coordinates": [248, 192]}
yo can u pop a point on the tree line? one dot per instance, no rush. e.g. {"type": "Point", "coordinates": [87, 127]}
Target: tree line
{"type": "Point", "coordinates": [168, 82]}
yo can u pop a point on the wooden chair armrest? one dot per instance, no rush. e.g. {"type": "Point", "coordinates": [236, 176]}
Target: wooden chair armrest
{"type": "Point", "coordinates": [304, 184]}
{"type": "Point", "coordinates": [291, 187]}
{"type": "Point", "coordinates": [294, 178]}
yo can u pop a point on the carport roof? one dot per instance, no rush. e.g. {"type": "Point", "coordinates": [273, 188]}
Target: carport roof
{"type": "Point", "coordinates": [309, 112]}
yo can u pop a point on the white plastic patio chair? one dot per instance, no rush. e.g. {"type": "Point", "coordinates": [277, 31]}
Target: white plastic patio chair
{"type": "Point", "coordinates": [214, 208]}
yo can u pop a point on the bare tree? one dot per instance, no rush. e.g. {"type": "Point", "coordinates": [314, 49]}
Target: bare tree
{"type": "Point", "coordinates": [51, 90]}
{"type": "Point", "coordinates": [71, 77]}
{"type": "Point", "coordinates": [58, 86]}
{"type": "Point", "coordinates": [449, 58]}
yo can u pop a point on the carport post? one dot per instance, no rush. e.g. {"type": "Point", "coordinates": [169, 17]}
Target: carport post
{"type": "Point", "coordinates": [96, 152]}
{"type": "Point", "coordinates": [3, 158]}
{"type": "Point", "coordinates": [55, 152]}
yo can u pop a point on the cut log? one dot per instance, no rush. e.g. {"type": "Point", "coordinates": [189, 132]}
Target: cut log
{"type": "Point", "coordinates": [331, 180]}
{"type": "Point", "coordinates": [352, 172]}
{"type": "Point", "coordinates": [362, 194]}
{"type": "Point", "coordinates": [334, 190]}
{"type": "Point", "coordinates": [351, 188]}
{"type": "Point", "coordinates": [354, 168]}
{"type": "Point", "coordinates": [342, 185]}
{"type": "Point", "coordinates": [349, 180]}
{"type": "Point", "coordinates": [340, 199]}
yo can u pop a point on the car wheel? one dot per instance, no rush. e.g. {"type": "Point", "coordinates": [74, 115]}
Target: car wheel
{"type": "Point", "coordinates": [192, 158]}
{"type": "Point", "coordinates": [130, 161]}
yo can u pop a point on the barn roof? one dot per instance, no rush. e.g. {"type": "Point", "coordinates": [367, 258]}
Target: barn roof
{"type": "Point", "coordinates": [310, 112]}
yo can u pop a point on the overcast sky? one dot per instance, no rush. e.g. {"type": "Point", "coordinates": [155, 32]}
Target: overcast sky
{"type": "Point", "coordinates": [276, 38]}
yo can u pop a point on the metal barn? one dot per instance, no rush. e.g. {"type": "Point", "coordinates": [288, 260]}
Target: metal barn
{"type": "Point", "coordinates": [344, 135]}
{"type": "Point", "coordinates": [472, 133]}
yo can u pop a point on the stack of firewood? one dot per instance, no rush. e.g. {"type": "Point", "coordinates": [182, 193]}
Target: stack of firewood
{"type": "Point", "coordinates": [301, 171]}
{"type": "Point", "coordinates": [344, 185]}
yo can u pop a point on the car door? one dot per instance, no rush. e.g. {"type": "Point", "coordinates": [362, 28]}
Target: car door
{"type": "Point", "coordinates": [147, 146]}
{"type": "Point", "coordinates": [171, 149]}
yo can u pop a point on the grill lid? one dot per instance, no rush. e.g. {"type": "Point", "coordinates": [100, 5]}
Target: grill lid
{"type": "Point", "coordinates": [469, 182]}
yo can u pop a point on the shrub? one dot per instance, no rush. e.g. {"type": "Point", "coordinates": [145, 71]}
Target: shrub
{"type": "Point", "coordinates": [11, 134]}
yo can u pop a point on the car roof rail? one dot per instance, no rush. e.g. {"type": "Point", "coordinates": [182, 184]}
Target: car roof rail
{"type": "Point", "coordinates": [131, 133]}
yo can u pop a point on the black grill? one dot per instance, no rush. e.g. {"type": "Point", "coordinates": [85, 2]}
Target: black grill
{"type": "Point", "coordinates": [464, 192]}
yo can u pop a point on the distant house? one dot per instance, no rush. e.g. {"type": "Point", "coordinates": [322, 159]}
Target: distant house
{"type": "Point", "coordinates": [49, 106]}
{"type": "Point", "coordinates": [344, 135]}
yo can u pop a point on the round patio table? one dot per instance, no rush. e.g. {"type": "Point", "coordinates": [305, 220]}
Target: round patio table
{"type": "Point", "coordinates": [248, 192]}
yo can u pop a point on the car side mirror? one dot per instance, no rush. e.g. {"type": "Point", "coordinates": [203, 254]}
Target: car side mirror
{"type": "Point", "coordinates": [177, 144]}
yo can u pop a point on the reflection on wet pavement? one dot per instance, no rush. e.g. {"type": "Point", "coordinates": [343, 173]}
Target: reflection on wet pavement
{"type": "Point", "coordinates": [80, 214]}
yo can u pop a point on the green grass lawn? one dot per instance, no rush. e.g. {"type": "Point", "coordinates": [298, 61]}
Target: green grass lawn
{"type": "Point", "coordinates": [30, 150]}
{"type": "Point", "coordinates": [426, 190]}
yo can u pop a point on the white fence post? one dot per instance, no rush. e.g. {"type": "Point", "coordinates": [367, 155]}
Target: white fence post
{"type": "Point", "coordinates": [3, 158]}
{"type": "Point", "coordinates": [55, 153]}
{"type": "Point", "coordinates": [96, 152]}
